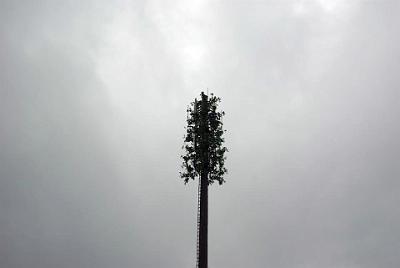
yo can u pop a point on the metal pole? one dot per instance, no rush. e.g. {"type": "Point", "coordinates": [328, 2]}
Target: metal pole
{"type": "Point", "coordinates": [203, 228]}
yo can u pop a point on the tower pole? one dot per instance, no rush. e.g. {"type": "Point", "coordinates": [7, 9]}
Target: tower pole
{"type": "Point", "coordinates": [203, 160]}
{"type": "Point", "coordinates": [203, 228]}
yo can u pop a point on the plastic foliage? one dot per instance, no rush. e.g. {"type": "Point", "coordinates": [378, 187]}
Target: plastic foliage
{"type": "Point", "coordinates": [203, 142]}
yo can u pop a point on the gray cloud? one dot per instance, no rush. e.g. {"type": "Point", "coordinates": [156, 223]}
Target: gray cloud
{"type": "Point", "coordinates": [92, 109]}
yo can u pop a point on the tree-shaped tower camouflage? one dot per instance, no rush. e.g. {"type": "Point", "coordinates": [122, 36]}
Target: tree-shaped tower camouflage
{"type": "Point", "coordinates": [204, 158]}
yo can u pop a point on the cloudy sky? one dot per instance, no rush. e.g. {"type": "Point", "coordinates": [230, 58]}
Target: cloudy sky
{"type": "Point", "coordinates": [93, 98]}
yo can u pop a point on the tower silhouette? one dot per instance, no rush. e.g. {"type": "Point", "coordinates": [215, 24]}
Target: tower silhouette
{"type": "Point", "coordinates": [204, 159]}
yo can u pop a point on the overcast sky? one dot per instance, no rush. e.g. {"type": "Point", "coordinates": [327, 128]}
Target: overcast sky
{"type": "Point", "coordinates": [93, 98]}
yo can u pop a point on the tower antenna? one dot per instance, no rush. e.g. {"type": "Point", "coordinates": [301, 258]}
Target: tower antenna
{"type": "Point", "coordinates": [204, 159]}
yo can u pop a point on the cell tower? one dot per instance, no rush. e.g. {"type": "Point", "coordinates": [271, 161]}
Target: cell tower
{"type": "Point", "coordinates": [204, 158]}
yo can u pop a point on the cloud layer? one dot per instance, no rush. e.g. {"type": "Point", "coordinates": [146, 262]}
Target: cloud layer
{"type": "Point", "coordinates": [92, 108]}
